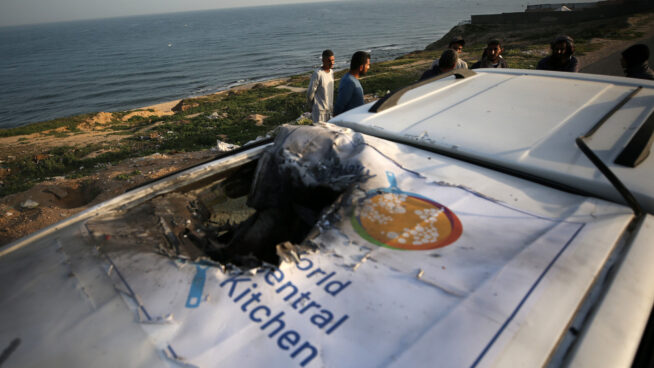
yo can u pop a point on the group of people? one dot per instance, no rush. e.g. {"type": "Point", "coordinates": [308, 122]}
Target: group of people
{"type": "Point", "coordinates": [561, 58]}
{"type": "Point", "coordinates": [320, 94]}
{"type": "Point", "coordinates": [450, 59]}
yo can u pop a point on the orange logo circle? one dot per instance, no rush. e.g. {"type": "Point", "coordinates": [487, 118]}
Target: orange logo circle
{"type": "Point", "coordinates": [408, 221]}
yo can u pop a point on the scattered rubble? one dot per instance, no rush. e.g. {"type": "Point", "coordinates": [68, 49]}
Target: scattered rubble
{"type": "Point", "coordinates": [59, 192]}
{"type": "Point", "coordinates": [184, 105]}
{"type": "Point", "coordinates": [257, 118]}
{"type": "Point", "coordinates": [215, 115]}
{"type": "Point", "coordinates": [29, 204]}
{"type": "Point", "coordinates": [224, 146]}
{"type": "Point", "coordinates": [257, 214]}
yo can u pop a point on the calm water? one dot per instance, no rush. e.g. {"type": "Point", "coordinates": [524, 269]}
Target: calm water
{"type": "Point", "coordinates": [62, 69]}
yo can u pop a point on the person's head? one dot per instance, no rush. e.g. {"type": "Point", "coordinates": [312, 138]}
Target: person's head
{"type": "Point", "coordinates": [448, 60]}
{"type": "Point", "coordinates": [327, 59]}
{"type": "Point", "coordinates": [360, 63]}
{"type": "Point", "coordinates": [457, 44]}
{"type": "Point", "coordinates": [635, 55]}
{"type": "Point", "coordinates": [562, 47]}
{"type": "Point", "coordinates": [493, 50]}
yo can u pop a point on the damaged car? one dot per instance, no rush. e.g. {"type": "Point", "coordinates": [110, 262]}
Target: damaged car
{"type": "Point", "coordinates": [479, 218]}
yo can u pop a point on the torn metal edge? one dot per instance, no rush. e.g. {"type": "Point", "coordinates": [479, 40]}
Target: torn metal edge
{"type": "Point", "coordinates": [172, 356]}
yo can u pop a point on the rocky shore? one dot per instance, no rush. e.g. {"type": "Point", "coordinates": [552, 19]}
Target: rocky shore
{"type": "Point", "coordinates": [52, 170]}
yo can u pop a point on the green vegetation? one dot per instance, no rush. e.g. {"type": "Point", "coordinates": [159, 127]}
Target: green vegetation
{"type": "Point", "coordinates": [125, 177]}
{"type": "Point", "coordinates": [58, 134]}
{"type": "Point", "coordinates": [301, 80]}
{"type": "Point", "coordinates": [60, 161]}
{"type": "Point", "coordinates": [69, 123]}
{"type": "Point", "coordinates": [383, 83]}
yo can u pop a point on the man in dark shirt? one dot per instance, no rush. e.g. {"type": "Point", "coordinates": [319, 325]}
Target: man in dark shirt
{"type": "Point", "coordinates": [446, 62]}
{"type": "Point", "coordinates": [635, 61]}
{"type": "Point", "coordinates": [350, 92]}
{"type": "Point", "coordinates": [492, 56]}
{"type": "Point", "coordinates": [456, 44]}
{"type": "Point", "coordinates": [561, 58]}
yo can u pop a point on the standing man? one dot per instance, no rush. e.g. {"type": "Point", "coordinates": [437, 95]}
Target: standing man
{"type": "Point", "coordinates": [561, 58]}
{"type": "Point", "coordinates": [635, 62]}
{"type": "Point", "coordinates": [446, 63]}
{"type": "Point", "coordinates": [320, 93]}
{"type": "Point", "coordinates": [492, 56]}
{"type": "Point", "coordinates": [456, 45]}
{"type": "Point", "coordinates": [350, 92]}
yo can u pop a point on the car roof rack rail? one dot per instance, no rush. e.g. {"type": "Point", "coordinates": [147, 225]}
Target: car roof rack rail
{"type": "Point", "coordinates": [392, 98]}
{"type": "Point", "coordinates": [612, 178]}
{"type": "Point", "coordinates": [639, 146]}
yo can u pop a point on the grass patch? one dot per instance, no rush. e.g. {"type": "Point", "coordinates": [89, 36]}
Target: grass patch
{"type": "Point", "coordinates": [61, 161]}
{"type": "Point", "coordinates": [70, 123]}
{"type": "Point", "coordinates": [127, 176]}
{"type": "Point", "coordinates": [381, 84]}
{"type": "Point", "coordinates": [301, 80]}
{"type": "Point", "coordinates": [278, 106]}
{"type": "Point", "coordinates": [59, 134]}
{"type": "Point", "coordinates": [123, 132]}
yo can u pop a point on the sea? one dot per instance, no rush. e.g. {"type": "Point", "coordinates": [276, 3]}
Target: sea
{"type": "Point", "coordinates": [55, 70]}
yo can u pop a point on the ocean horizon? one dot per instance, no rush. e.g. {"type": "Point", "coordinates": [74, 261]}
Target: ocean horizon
{"type": "Point", "coordinates": [56, 70]}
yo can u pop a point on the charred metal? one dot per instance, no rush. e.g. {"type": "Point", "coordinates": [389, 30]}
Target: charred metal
{"type": "Point", "coordinates": [253, 214]}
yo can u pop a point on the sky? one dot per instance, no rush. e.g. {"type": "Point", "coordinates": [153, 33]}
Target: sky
{"type": "Point", "coordinates": [17, 12]}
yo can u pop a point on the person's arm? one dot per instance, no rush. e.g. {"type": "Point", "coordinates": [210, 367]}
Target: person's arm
{"type": "Point", "coordinates": [426, 75]}
{"type": "Point", "coordinates": [573, 65]}
{"type": "Point", "coordinates": [345, 89]}
{"type": "Point", "coordinates": [313, 87]}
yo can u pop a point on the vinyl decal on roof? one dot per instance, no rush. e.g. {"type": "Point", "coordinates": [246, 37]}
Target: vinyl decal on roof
{"type": "Point", "coordinates": [347, 301]}
{"type": "Point", "coordinates": [392, 218]}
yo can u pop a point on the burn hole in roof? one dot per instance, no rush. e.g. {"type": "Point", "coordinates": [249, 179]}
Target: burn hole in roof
{"type": "Point", "coordinates": [239, 216]}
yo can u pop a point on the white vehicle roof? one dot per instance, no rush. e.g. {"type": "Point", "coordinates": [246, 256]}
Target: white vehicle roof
{"type": "Point", "coordinates": [527, 121]}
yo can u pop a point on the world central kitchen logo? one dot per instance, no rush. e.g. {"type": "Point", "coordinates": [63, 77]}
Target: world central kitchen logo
{"type": "Point", "coordinates": [395, 219]}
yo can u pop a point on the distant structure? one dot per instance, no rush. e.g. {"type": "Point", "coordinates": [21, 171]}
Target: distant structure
{"type": "Point", "coordinates": [557, 7]}
{"type": "Point", "coordinates": [565, 13]}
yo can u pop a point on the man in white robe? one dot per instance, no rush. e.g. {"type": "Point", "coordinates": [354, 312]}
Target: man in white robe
{"type": "Point", "coordinates": [320, 94]}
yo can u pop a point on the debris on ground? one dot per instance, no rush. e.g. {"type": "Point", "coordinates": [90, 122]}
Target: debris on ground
{"type": "Point", "coordinates": [29, 204]}
{"type": "Point", "coordinates": [259, 213]}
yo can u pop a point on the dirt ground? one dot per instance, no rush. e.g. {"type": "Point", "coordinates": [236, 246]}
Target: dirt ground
{"type": "Point", "coordinates": [60, 197]}
{"type": "Point", "coordinates": [591, 62]}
